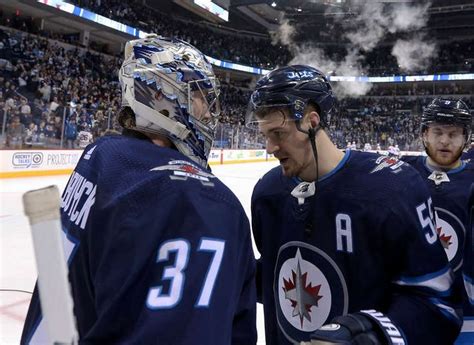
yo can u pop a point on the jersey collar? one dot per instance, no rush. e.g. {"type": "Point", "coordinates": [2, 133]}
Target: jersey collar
{"type": "Point", "coordinates": [339, 166]}
{"type": "Point", "coordinates": [449, 172]}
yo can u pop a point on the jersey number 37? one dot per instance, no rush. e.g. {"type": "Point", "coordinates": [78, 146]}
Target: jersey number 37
{"type": "Point", "coordinates": [158, 299]}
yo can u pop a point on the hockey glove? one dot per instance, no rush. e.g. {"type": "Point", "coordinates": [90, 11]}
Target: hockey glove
{"type": "Point", "coordinates": [367, 327]}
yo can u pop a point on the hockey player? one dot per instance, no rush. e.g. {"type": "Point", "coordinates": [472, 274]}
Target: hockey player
{"type": "Point", "coordinates": [446, 130]}
{"type": "Point", "coordinates": [344, 237]}
{"type": "Point", "coordinates": [159, 249]}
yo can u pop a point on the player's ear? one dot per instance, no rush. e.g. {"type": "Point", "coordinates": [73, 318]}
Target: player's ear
{"type": "Point", "coordinates": [314, 119]}
{"type": "Point", "coordinates": [424, 135]}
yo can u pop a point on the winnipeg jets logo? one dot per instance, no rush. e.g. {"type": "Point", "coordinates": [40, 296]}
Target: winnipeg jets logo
{"type": "Point", "coordinates": [304, 299]}
{"type": "Point", "coordinates": [182, 170]}
{"type": "Point", "coordinates": [392, 163]}
{"type": "Point", "coordinates": [450, 232]}
{"type": "Point", "coordinates": [304, 294]}
{"type": "Point", "coordinates": [445, 239]}
{"type": "Point", "coordinates": [301, 294]}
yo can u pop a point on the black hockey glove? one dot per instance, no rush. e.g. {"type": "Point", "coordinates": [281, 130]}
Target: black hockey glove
{"type": "Point", "coordinates": [367, 327]}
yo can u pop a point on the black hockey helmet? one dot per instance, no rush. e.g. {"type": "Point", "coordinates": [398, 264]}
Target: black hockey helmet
{"type": "Point", "coordinates": [449, 112]}
{"type": "Point", "coordinates": [293, 87]}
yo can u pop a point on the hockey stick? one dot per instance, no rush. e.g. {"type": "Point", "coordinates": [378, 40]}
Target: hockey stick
{"type": "Point", "coordinates": [42, 209]}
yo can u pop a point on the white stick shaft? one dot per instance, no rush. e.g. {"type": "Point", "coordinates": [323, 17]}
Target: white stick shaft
{"type": "Point", "coordinates": [42, 209]}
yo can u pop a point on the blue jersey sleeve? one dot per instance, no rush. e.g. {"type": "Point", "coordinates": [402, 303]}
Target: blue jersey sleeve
{"type": "Point", "coordinates": [468, 266]}
{"type": "Point", "coordinates": [467, 331]}
{"type": "Point", "coordinates": [244, 324]}
{"type": "Point", "coordinates": [423, 278]}
{"type": "Point", "coordinates": [257, 230]}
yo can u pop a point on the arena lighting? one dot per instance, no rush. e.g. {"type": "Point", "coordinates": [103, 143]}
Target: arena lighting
{"type": "Point", "coordinates": [85, 14]}
{"type": "Point", "coordinates": [94, 17]}
{"type": "Point", "coordinates": [405, 78]}
{"type": "Point", "coordinates": [213, 8]}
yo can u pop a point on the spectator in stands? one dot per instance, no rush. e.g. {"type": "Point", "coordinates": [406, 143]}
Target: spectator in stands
{"type": "Point", "coordinates": [31, 135]}
{"type": "Point", "coordinates": [15, 133]}
{"type": "Point", "coordinates": [45, 91]}
{"type": "Point", "coordinates": [70, 133]}
{"type": "Point", "coordinates": [41, 133]}
{"type": "Point", "coordinates": [50, 135]}
{"type": "Point", "coordinates": [54, 104]}
{"type": "Point", "coordinates": [25, 108]}
{"type": "Point", "coordinates": [85, 136]}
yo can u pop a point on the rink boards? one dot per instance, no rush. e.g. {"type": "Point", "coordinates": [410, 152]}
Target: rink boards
{"type": "Point", "coordinates": [28, 163]}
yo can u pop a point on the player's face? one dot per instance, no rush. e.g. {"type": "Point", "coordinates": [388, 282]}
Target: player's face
{"type": "Point", "coordinates": [290, 146]}
{"type": "Point", "coordinates": [200, 107]}
{"type": "Point", "coordinates": [444, 144]}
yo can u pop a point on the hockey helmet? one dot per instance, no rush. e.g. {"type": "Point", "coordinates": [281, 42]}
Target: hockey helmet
{"type": "Point", "coordinates": [448, 112]}
{"type": "Point", "coordinates": [293, 87]}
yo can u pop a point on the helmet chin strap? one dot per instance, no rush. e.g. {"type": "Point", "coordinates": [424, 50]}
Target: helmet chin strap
{"type": "Point", "coordinates": [311, 132]}
{"type": "Point", "coordinates": [312, 139]}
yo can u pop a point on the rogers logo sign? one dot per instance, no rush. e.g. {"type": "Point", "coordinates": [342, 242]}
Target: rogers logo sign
{"type": "Point", "coordinates": [27, 159]}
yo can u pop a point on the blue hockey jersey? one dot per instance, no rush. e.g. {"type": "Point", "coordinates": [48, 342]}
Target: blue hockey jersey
{"type": "Point", "coordinates": [469, 154]}
{"type": "Point", "coordinates": [468, 268]}
{"type": "Point", "coordinates": [159, 251]}
{"type": "Point", "coordinates": [451, 192]}
{"type": "Point", "coordinates": [372, 245]}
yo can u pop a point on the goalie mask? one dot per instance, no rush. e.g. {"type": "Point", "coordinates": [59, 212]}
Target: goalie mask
{"type": "Point", "coordinates": [172, 90]}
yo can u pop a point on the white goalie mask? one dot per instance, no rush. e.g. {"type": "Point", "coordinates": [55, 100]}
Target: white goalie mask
{"type": "Point", "coordinates": [172, 89]}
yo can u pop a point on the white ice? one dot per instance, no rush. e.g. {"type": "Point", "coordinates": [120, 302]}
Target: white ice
{"type": "Point", "coordinates": [17, 264]}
